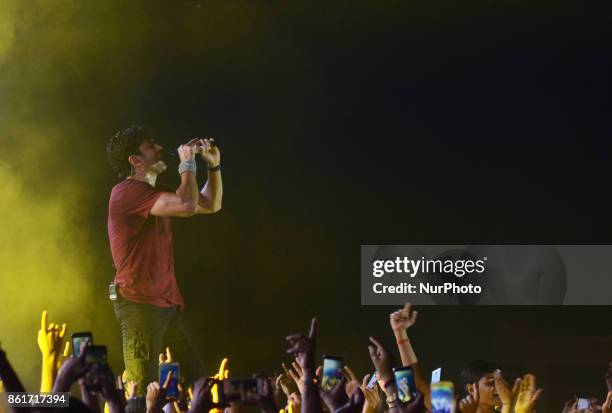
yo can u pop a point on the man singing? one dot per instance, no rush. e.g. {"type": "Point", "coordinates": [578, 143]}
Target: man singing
{"type": "Point", "coordinates": [148, 300]}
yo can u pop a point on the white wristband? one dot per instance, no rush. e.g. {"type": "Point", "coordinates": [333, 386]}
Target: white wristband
{"type": "Point", "coordinates": [187, 166]}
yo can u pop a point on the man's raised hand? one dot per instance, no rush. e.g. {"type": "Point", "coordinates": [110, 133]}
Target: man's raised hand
{"type": "Point", "coordinates": [470, 403]}
{"type": "Point", "coordinates": [157, 396]}
{"type": "Point", "coordinates": [201, 396]}
{"type": "Point", "coordinates": [402, 319]}
{"type": "Point", "coordinates": [527, 395]}
{"type": "Point", "coordinates": [209, 151]}
{"type": "Point", "coordinates": [382, 360]}
{"type": "Point", "coordinates": [303, 348]}
{"type": "Point", "coordinates": [352, 383]}
{"type": "Point", "coordinates": [291, 381]}
{"type": "Point", "coordinates": [50, 337]}
{"type": "Point", "coordinates": [222, 374]}
{"type": "Point", "coordinates": [506, 394]}
{"type": "Point", "coordinates": [73, 369]}
{"type": "Point", "coordinates": [166, 357]}
{"type": "Point", "coordinates": [188, 151]}
{"type": "Point", "coordinates": [372, 398]}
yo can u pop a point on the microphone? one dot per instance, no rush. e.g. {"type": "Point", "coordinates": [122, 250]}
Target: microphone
{"type": "Point", "coordinates": [172, 154]}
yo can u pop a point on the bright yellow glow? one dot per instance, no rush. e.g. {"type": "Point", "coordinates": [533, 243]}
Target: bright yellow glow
{"type": "Point", "coordinates": [44, 262]}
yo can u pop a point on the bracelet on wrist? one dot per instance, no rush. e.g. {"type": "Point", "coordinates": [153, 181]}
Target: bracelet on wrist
{"type": "Point", "coordinates": [214, 168]}
{"type": "Point", "coordinates": [187, 166]}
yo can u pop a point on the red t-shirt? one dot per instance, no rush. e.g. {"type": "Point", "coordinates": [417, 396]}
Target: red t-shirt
{"type": "Point", "coordinates": [141, 245]}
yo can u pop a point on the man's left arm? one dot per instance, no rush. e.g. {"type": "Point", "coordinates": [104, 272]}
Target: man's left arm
{"type": "Point", "coordinates": [212, 192]}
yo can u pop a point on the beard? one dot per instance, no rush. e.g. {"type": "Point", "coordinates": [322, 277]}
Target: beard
{"type": "Point", "coordinates": [158, 167]}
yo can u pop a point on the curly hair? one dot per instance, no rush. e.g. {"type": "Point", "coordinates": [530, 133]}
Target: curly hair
{"type": "Point", "coordinates": [122, 144]}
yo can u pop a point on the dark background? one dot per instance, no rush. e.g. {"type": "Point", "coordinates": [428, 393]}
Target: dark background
{"type": "Point", "coordinates": [340, 124]}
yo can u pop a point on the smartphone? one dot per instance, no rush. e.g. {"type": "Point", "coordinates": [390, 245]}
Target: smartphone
{"type": "Point", "coordinates": [243, 391]}
{"type": "Point", "coordinates": [172, 391]}
{"type": "Point", "coordinates": [583, 404]}
{"type": "Point", "coordinates": [404, 378]}
{"type": "Point", "coordinates": [77, 339]}
{"type": "Point", "coordinates": [436, 375]}
{"type": "Point", "coordinates": [442, 397]}
{"type": "Point", "coordinates": [332, 372]}
{"type": "Point", "coordinates": [372, 382]}
{"type": "Point", "coordinates": [96, 355]}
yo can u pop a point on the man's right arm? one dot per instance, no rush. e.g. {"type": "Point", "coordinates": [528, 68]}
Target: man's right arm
{"type": "Point", "coordinates": [183, 202]}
